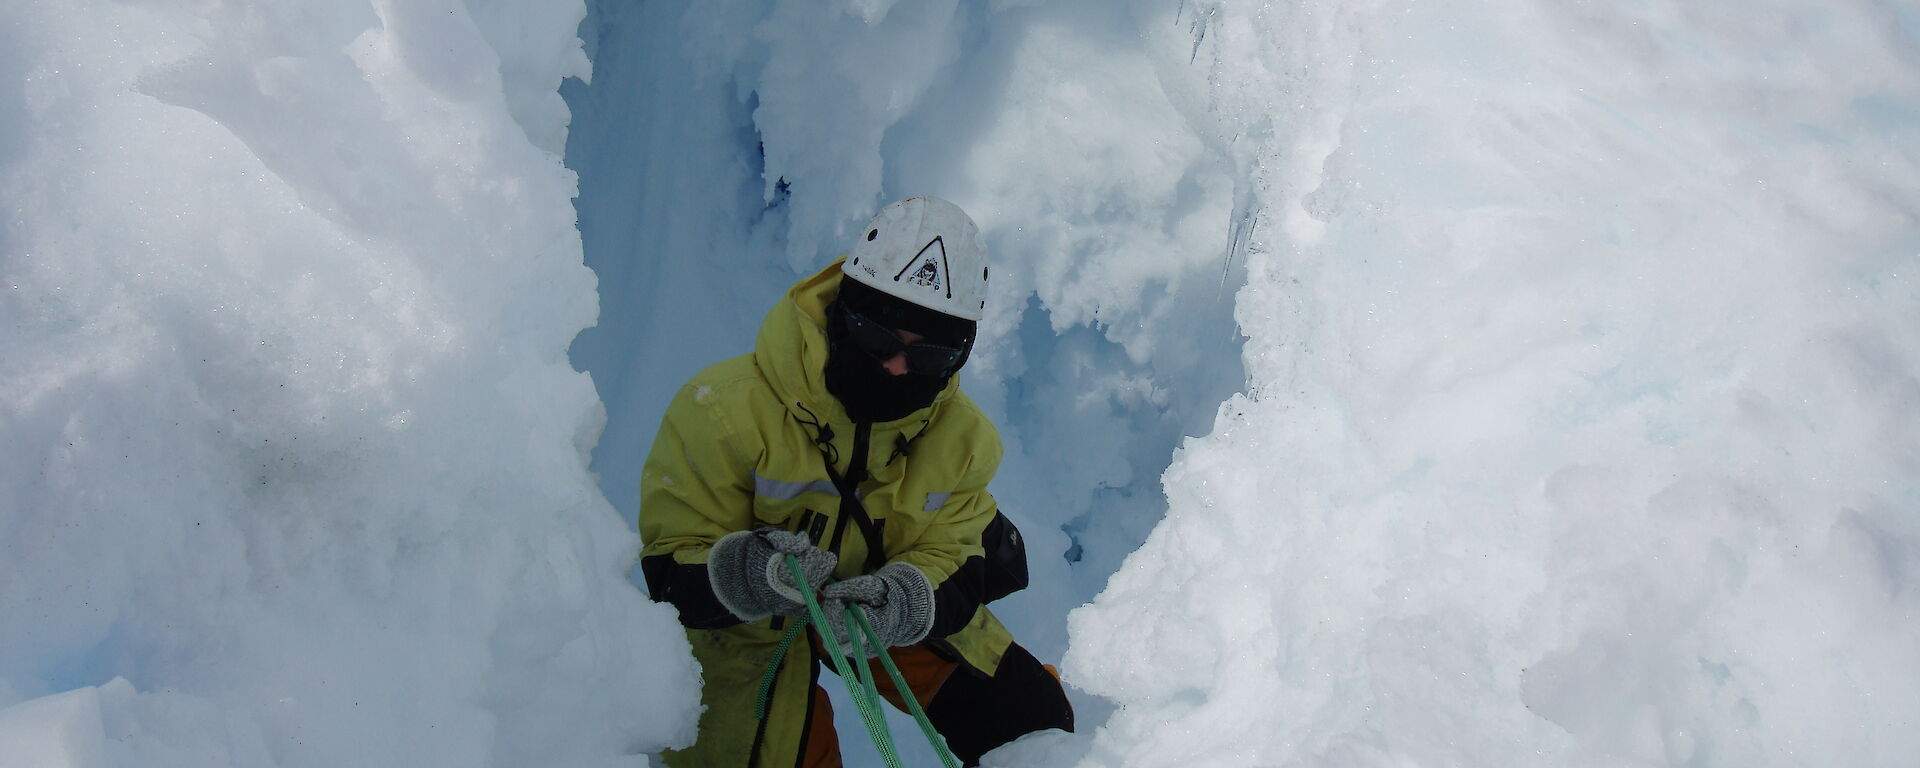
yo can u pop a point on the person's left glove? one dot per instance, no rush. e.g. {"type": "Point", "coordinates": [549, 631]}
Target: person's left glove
{"type": "Point", "coordinates": [897, 600]}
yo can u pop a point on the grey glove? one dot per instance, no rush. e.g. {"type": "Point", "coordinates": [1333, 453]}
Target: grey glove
{"type": "Point", "coordinates": [897, 600]}
{"type": "Point", "coordinates": [750, 576]}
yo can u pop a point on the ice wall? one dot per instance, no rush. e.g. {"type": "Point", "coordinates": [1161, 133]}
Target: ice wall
{"type": "Point", "coordinates": [295, 463]}
{"type": "Point", "coordinates": [1579, 390]}
{"type": "Point", "coordinates": [726, 150]}
{"type": "Point", "coordinates": [1578, 407]}
{"type": "Point", "coordinates": [1577, 413]}
{"type": "Point", "coordinates": [1584, 371]}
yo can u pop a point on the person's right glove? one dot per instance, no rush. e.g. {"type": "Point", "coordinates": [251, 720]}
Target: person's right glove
{"type": "Point", "coordinates": [749, 573]}
{"type": "Point", "coordinates": [897, 599]}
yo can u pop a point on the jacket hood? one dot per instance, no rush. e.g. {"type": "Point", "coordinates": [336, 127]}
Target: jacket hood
{"type": "Point", "coordinates": [791, 351]}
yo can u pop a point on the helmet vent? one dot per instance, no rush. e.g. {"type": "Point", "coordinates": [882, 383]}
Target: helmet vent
{"type": "Point", "coordinates": [871, 234]}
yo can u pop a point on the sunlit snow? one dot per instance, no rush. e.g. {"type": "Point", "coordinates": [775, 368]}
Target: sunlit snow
{"type": "Point", "coordinates": [1384, 382]}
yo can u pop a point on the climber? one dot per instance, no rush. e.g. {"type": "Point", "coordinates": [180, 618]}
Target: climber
{"type": "Point", "coordinates": [844, 440]}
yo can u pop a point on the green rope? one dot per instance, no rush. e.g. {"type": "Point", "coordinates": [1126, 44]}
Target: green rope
{"type": "Point", "coordinates": [773, 670]}
{"type": "Point", "coordinates": [860, 682]}
{"type": "Point", "coordinates": [869, 713]}
{"type": "Point", "coordinates": [913, 704]}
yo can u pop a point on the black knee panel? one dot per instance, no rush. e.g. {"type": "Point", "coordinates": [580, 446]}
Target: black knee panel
{"type": "Point", "coordinates": [976, 714]}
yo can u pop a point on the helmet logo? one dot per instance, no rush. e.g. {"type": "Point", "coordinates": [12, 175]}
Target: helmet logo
{"type": "Point", "coordinates": [929, 267]}
{"type": "Point", "coordinates": [927, 276]}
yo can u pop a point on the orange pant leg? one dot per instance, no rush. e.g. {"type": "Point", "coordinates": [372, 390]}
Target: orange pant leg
{"type": "Point", "coordinates": [923, 670]}
{"type": "Point", "coordinates": [822, 746]}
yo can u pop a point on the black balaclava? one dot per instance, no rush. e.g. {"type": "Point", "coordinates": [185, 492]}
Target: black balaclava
{"type": "Point", "coordinates": [863, 387]}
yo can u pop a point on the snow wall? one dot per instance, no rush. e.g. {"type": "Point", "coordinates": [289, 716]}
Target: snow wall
{"type": "Point", "coordinates": [295, 468]}
{"type": "Point", "coordinates": [1576, 419]}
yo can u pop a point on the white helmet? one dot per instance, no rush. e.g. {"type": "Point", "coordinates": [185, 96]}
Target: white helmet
{"type": "Point", "coordinates": [924, 250]}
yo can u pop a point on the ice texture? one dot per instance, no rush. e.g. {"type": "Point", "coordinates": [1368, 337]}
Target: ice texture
{"type": "Point", "coordinates": [1575, 418]}
{"type": "Point", "coordinates": [1507, 382]}
{"type": "Point", "coordinates": [1582, 395]}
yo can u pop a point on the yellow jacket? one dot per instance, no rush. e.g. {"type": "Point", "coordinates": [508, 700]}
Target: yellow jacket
{"type": "Point", "coordinates": [740, 448]}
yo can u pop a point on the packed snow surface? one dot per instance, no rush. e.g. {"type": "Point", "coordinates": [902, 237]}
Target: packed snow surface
{"type": "Point", "coordinates": [1508, 382]}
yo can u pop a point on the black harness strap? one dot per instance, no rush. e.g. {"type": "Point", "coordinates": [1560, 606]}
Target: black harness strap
{"type": "Point", "coordinates": [850, 507]}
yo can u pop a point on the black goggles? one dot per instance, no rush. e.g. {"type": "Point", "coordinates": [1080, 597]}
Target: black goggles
{"type": "Point", "coordinates": [882, 343]}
